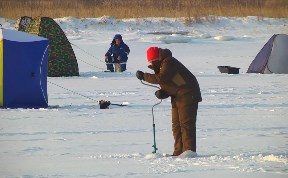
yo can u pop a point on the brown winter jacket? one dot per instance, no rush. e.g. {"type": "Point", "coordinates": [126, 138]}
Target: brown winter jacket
{"type": "Point", "coordinates": [175, 79]}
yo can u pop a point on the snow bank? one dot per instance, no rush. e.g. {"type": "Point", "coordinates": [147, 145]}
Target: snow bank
{"type": "Point", "coordinates": [224, 38]}
{"type": "Point", "coordinates": [175, 38]}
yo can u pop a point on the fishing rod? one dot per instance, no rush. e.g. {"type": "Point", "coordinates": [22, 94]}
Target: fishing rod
{"type": "Point", "coordinates": [87, 52]}
{"type": "Point", "coordinates": [89, 55]}
{"type": "Point", "coordinates": [103, 103]}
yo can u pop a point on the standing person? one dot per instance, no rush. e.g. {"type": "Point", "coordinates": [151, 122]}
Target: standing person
{"type": "Point", "coordinates": [117, 54]}
{"type": "Point", "coordinates": [182, 86]}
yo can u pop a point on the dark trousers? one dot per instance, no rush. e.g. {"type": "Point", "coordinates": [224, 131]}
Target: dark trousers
{"type": "Point", "coordinates": [110, 67]}
{"type": "Point", "coordinates": [184, 128]}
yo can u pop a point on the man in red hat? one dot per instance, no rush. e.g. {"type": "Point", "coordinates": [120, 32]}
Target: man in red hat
{"type": "Point", "coordinates": [182, 86]}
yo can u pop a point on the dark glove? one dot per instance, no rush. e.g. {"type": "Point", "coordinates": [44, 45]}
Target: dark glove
{"type": "Point", "coordinates": [140, 75]}
{"type": "Point", "coordinates": [161, 94]}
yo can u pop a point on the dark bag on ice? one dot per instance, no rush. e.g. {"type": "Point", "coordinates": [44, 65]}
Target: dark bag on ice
{"type": "Point", "coordinates": [104, 104]}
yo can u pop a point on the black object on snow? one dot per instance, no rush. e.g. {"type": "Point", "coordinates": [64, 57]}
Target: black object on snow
{"type": "Point", "coordinates": [228, 69]}
{"type": "Point", "coordinates": [104, 104]}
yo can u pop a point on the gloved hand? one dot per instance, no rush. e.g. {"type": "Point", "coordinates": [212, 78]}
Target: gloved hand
{"type": "Point", "coordinates": [106, 58]}
{"type": "Point", "coordinates": [119, 58]}
{"type": "Point", "coordinates": [140, 75]}
{"type": "Point", "coordinates": [161, 94]}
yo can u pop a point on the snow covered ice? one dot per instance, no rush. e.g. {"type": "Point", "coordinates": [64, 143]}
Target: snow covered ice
{"type": "Point", "coordinates": [242, 122]}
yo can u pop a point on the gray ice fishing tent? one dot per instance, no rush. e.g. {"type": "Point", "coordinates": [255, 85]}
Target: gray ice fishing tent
{"type": "Point", "coordinates": [273, 57]}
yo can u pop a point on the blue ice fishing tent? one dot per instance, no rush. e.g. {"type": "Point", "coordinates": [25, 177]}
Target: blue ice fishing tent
{"type": "Point", "coordinates": [23, 70]}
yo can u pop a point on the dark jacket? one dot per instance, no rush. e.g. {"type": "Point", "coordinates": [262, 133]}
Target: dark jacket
{"type": "Point", "coordinates": [122, 50]}
{"type": "Point", "coordinates": [175, 79]}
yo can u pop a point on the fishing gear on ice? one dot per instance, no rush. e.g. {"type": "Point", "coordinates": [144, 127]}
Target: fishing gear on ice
{"type": "Point", "coordinates": [103, 103]}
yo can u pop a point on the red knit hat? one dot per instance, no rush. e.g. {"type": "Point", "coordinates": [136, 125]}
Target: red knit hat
{"type": "Point", "coordinates": [152, 53]}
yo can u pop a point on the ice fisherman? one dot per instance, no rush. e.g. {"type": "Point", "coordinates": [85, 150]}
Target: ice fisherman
{"type": "Point", "coordinates": [182, 86]}
{"type": "Point", "coordinates": [117, 54]}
